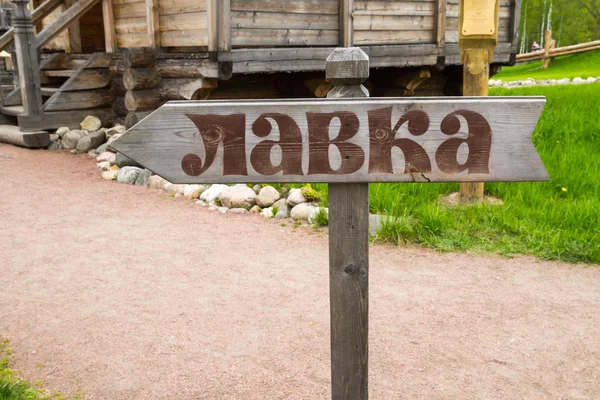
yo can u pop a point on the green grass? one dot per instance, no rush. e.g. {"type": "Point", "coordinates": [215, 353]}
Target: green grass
{"type": "Point", "coordinates": [12, 387]}
{"type": "Point", "coordinates": [556, 220]}
{"type": "Point", "coordinates": [583, 65]}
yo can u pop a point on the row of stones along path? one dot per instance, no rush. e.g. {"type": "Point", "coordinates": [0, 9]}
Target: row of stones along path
{"type": "Point", "coordinates": [111, 291]}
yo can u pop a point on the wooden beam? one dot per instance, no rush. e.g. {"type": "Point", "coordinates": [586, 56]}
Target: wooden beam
{"type": "Point", "coordinates": [108, 17]}
{"type": "Point", "coordinates": [27, 59]}
{"type": "Point", "coordinates": [13, 135]}
{"type": "Point", "coordinates": [64, 20]}
{"type": "Point", "coordinates": [515, 21]}
{"type": "Point", "coordinates": [346, 29]}
{"type": "Point", "coordinates": [36, 16]}
{"type": "Point", "coordinates": [211, 23]}
{"type": "Point", "coordinates": [440, 27]}
{"type": "Point", "coordinates": [224, 25]}
{"type": "Point", "coordinates": [153, 23]}
{"type": "Point", "coordinates": [349, 250]}
{"type": "Point", "coordinates": [73, 39]}
{"type": "Point", "coordinates": [72, 119]}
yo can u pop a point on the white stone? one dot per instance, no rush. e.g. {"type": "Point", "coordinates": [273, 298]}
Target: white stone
{"type": "Point", "coordinates": [530, 80]}
{"type": "Point", "coordinates": [103, 166]}
{"type": "Point", "coordinates": [267, 212]}
{"type": "Point", "coordinates": [213, 208]}
{"type": "Point", "coordinates": [223, 210]}
{"type": "Point", "coordinates": [313, 213]}
{"type": "Point", "coordinates": [239, 196]}
{"type": "Point", "coordinates": [301, 211]}
{"type": "Point", "coordinates": [201, 203]}
{"type": "Point", "coordinates": [491, 82]}
{"type": "Point", "coordinates": [375, 224]}
{"type": "Point", "coordinates": [267, 196]}
{"type": "Point", "coordinates": [157, 182]}
{"type": "Point", "coordinates": [174, 188]}
{"type": "Point", "coordinates": [110, 175]}
{"type": "Point", "coordinates": [255, 210]}
{"type": "Point", "coordinates": [499, 82]}
{"type": "Point", "coordinates": [193, 191]}
{"type": "Point", "coordinates": [591, 80]}
{"type": "Point", "coordinates": [577, 81]}
{"type": "Point", "coordinates": [213, 192]}
{"type": "Point", "coordinates": [113, 138]}
{"type": "Point", "coordinates": [115, 130]}
{"type": "Point", "coordinates": [91, 123]}
{"type": "Point", "coordinates": [238, 211]}
{"type": "Point", "coordinates": [106, 156]}
{"type": "Point", "coordinates": [257, 188]}
{"type": "Point", "coordinates": [295, 197]}
{"type": "Point", "coordinates": [71, 138]}
{"type": "Point", "coordinates": [62, 131]}
{"type": "Point", "coordinates": [528, 83]}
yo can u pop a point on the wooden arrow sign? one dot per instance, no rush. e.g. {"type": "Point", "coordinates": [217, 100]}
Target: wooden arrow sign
{"type": "Point", "coordinates": [363, 140]}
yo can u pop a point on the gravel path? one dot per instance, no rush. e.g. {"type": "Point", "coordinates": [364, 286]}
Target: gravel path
{"type": "Point", "coordinates": [110, 291]}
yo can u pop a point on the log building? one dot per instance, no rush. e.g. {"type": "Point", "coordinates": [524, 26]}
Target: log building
{"type": "Point", "coordinates": [121, 59]}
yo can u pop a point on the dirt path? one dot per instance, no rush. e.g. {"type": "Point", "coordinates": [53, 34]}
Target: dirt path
{"type": "Point", "coordinates": [121, 292]}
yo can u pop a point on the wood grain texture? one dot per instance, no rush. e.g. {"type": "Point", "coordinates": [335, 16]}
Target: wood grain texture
{"type": "Point", "coordinates": [348, 68]}
{"type": "Point", "coordinates": [61, 23]}
{"type": "Point", "coordinates": [73, 42]}
{"type": "Point", "coordinates": [36, 16]}
{"type": "Point", "coordinates": [108, 18]}
{"type": "Point", "coordinates": [506, 124]}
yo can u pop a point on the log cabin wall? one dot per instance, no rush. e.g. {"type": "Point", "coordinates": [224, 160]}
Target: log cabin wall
{"type": "Point", "coordinates": [130, 23]}
{"type": "Point", "coordinates": [394, 22]}
{"type": "Point", "coordinates": [284, 23]}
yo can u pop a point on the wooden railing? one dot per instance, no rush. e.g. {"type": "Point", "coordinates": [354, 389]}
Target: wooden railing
{"type": "Point", "coordinates": [550, 51]}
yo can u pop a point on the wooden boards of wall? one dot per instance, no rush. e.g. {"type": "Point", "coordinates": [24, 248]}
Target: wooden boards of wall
{"type": "Point", "coordinates": [284, 23]}
{"type": "Point", "coordinates": [397, 22]}
{"type": "Point", "coordinates": [452, 9]}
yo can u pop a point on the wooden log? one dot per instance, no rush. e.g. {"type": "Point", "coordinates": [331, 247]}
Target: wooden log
{"type": "Point", "coordinates": [73, 39]}
{"type": "Point", "coordinates": [119, 106]}
{"type": "Point", "coordinates": [186, 68]}
{"type": "Point", "coordinates": [349, 252]}
{"type": "Point", "coordinates": [185, 89]}
{"type": "Point", "coordinates": [117, 87]}
{"type": "Point", "coordinates": [63, 101]}
{"type": "Point", "coordinates": [142, 100]}
{"type": "Point", "coordinates": [13, 135]}
{"type": "Point", "coordinates": [319, 87]}
{"type": "Point", "coordinates": [133, 118]}
{"type": "Point", "coordinates": [547, 45]}
{"type": "Point", "coordinates": [88, 79]}
{"type": "Point", "coordinates": [140, 78]}
{"type": "Point", "coordinates": [139, 57]}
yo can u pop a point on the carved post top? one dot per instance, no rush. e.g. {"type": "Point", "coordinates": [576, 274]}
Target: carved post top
{"type": "Point", "coordinates": [22, 16]}
{"type": "Point", "coordinates": [347, 68]}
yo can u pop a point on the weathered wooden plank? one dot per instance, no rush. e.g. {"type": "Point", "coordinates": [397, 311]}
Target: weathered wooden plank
{"type": "Point", "coordinates": [271, 20]}
{"type": "Point", "coordinates": [110, 38]}
{"type": "Point", "coordinates": [153, 22]}
{"type": "Point", "coordinates": [132, 40]}
{"type": "Point", "coordinates": [393, 23]}
{"type": "Point", "coordinates": [87, 79]}
{"type": "Point", "coordinates": [346, 22]}
{"type": "Point", "coordinates": [71, 118]}
{"type": "Point", "coordinates": [212, 26]}
{"type": "Point", "coordinates": [191, 37]}
{"type": "Point", "coordinates": [168, 7]}
{"type": "Point", "coordinates": [65, 101]}
{"type": "Point", "coordinates": [396, 7]}
{"type": "Point", "coordinates": [440, 26]}
{"type": "Point", "coordinates": [131, 25]}
{"type": "Point", "coordinates": [391, 37]}
{"type": "Point", "coordinates": [73, 42]}
{"type": "Point", "coordinates": [304, 6]}
{"type": "Point", "coordinates": [448, 140]}
{"type": "Point", "coordinates": [130, 10]}
{"type": "Point", "coordinates": [283, 37]}
{"type": "Point", "coordinates": [177, 22]}
{"type": "Point", "coordinates": [13, 135]}
{"type": "Point", "coordinates": [224, 25]}
{"type": "Point", "coordinates": [64, 20]}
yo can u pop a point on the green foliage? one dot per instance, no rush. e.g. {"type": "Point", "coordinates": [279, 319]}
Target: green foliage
{"type": "Point", "coordinates": [275, 210]}
{"type": "Point", "coordinates": [310, 194]}
{"type": "Point", "coordinates": [557, 220]}
{"type": "Point", "coordinates": [11, 386]}
{"type": "Point", "coordinates": [581, 65]}
{"type": "Point", "coordinates": [320, 218]}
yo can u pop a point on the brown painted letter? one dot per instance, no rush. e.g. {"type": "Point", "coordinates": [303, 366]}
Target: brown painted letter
{"type": "Point", "coordinates": [214, 129]}
{"type": "Point", "coordinates": [479, 141]}
{"type": "Point", "coordinates": [290, 142]}
{"type": "Point", "coordinates": [382, 139]}
{"type": "Point", "coordinates": [353, 156]}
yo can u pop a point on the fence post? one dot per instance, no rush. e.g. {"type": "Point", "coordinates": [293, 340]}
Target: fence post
{"type": "Point", "coordinates": [547, 47]}
{"type": "Point", "coordinates": [27, 61]}
{"type": "Point", "coordinates": [347, 69]}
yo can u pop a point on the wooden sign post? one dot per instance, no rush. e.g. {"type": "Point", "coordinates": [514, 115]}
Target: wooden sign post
{"type": "Point", "coordinates": [477, 39]}
{"type": "Point", "coordinates": [346, 143]}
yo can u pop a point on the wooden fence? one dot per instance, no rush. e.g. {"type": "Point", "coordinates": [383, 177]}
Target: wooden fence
{"type": "Point", "coordinates": [550, 51]}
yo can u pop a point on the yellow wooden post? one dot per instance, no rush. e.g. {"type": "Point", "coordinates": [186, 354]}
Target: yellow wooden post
{"type": "Point", "coordinates": [478, 36]}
